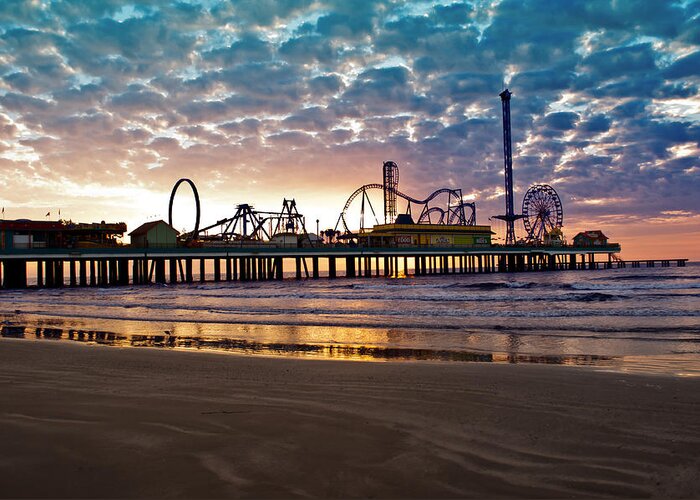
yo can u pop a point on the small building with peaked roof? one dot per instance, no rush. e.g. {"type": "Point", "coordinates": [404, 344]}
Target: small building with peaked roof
{"type": "Point", "coordinates": [155, 234]}
{"type": "Point", "coordinates": [590, 239]}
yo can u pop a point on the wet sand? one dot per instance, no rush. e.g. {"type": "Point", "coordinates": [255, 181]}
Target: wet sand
{"type": "Point", "coordinates": [93, 421]}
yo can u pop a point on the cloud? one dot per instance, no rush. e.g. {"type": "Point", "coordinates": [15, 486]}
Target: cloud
{"type": "Point", "coordinates": [321, 85]}
{"type": "Point", "coordinates": [379, 91]}
{"type": "Point", "coordinates": [620, 61]}
{"type": "Point", "coordinates": [293, 139]}
{"type": "Point", "coordinates": [141, 101]}
{"type": "Point", "coordinates": [544, 80]}
{"type": "Point", "coordinates": [261, 80]}
{"type": "Point", "coordinates": [684, 67]}
{"type": "Point", "coordinates": [343, 25]}
{"type": "Point", "coordinates": [463, 87]}
{"type": "Point", "coordinates": [285, 93]}
{"type": "Point", "coordinates": [631, 109]}
{"type": "Point", "coordinates": [20, 81]}
{"type": "Point", "coordinates": [249, 48]}
{"type": "Point", "coordinates": [433, 45]}
{"type": "Point", "coordinates": [8, 130]}
{"type": "Point", "coordinates": [307, 49]}
{"type": "Point", "coordinates": [257, 12]}
{"type": "Point", "coordinates": [312, 119]}
{"type": "Point", "coordinates": [596, 124]}
{"type": "Point", "coordinates": [22, 103]}
{"type": "Point", "coordinates": [564, 120]}
{"type": "Point", "coordinates": [454, 14]}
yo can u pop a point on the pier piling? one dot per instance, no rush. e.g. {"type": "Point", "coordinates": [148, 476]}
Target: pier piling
{"type": "Point", "coordinates": [141, 266]}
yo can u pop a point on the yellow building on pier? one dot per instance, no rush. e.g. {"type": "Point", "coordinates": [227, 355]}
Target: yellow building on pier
{"type": "Point", "coordinates": [427, 235]}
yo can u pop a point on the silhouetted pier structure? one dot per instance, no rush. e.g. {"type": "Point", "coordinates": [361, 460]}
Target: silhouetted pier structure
{"type": "Point", "coordinates": [136, 266]}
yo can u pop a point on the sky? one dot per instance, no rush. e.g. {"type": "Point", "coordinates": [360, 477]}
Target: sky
{"type": "Point", "coordinates": [105, 104]}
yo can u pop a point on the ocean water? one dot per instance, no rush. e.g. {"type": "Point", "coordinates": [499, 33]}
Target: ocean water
{"type": "Point", "coordinates": [643, 319]}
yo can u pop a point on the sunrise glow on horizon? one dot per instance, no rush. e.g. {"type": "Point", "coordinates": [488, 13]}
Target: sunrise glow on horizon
{"type": "Point", "coordinates": [105, 105]}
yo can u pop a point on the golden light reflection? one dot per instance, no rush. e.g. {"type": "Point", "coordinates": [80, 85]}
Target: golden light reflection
{"type": "Point", "coordinates": [265, 340]}
{"type": "Point", "coordinates": [353, 342]}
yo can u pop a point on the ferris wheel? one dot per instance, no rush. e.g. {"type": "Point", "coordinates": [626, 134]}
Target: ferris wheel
{"type": "Point", "coordinates": [542, 211]}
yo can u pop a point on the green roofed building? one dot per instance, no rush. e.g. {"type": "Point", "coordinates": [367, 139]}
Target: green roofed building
{"type": "Point", "coordinates": [156, 234]}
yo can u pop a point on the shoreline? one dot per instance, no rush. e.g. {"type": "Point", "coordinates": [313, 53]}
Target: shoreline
{"type": "Point", "coordinates": [79, 421]}
{"type": "Point", "coordinates": [273, 340]}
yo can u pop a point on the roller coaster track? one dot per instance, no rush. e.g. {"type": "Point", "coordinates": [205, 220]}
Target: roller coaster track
{"type": "Point", "coordinates": [452, 215]}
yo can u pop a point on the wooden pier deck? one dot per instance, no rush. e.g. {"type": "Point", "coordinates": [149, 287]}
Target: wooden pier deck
{"type": "Point", "coordinates": [136, 266]}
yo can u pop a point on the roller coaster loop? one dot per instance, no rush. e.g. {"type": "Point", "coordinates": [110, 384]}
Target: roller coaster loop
{"type": "Point", "coordinates": [194, 233]}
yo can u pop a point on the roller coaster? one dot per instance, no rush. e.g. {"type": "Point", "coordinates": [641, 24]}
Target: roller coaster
{"type": "Point", "coordinates": [454, 209]}
{"type": "Point", "coordinates": [246, 225]}
{"type": "Point", "coordinates": [255, 225]}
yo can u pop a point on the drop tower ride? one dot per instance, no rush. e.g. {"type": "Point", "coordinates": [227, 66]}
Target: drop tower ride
{"type": "Point", "coordinates": [510, 217]}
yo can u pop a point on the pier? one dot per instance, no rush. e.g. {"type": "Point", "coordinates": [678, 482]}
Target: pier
{"type": "Point", "coordinates": [48, 268]}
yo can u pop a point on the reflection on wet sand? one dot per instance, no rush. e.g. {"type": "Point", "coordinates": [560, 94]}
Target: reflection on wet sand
{"type": "Point", "coordinates": [13, 331]}
{"type": "Point", "coordinates": [333, 351]}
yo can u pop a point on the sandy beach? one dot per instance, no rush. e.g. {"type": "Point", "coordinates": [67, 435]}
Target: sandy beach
{"type": "Point", "coordinates": [95, 421]}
